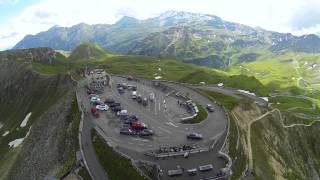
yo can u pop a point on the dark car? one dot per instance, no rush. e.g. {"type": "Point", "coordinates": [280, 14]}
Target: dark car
{"type": "Point", "coordinates": [126, 131]}
{"type": "Point", "coordinates": [116, 108]}
{"type": "Point", "coordinates": [134, 88]}
{"type": "Point", "coordinates": [121, 90]}
{"type": "Point", "coordinates": [109, 101]}
{"type": "Point", "coordinates": [130, 120]}
{"type": "Point", "coordinates": [145, 101]}
{"type": "Point", "coordinates": [114, 104]}
{"type": "Point", "coordinates": [97, 103]}
{"type": "Point", "coordinates": [124, 117]}
{"type": "Point", "coordinates": [146, 132]}
{"type": "Point", "coordinates": [133, 117]}
{"type": "Point", "coordinates": [139, 99]}
{"type": "Point", "coordinates": [194, 136]}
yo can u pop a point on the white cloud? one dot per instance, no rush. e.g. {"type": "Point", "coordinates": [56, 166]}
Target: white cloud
{"type": "Point", "coordinates": [2, 2]}
{"type": "Point", "coordinates": [274, 15]}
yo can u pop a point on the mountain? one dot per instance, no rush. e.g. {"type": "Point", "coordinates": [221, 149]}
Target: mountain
{"type": "Point", "coordinates": [190, 37]}
{"type": "Point", "coordinates": [86, 51]}
{"type": "Point", "coordinates": [39, 119]}
{"type": "Point", "coordinates": [44, 55]}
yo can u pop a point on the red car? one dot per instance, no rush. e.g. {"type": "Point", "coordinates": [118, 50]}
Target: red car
{"type": "Point", "coordinates": [93, 110]}
{"type": "Point", "coordinates": [130, 78]}
{"type": "Point", "coordinates": [138, 125]}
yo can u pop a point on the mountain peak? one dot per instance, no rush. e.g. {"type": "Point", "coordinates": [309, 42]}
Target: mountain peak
{"type": "Point", "coordinates": [127, 20]}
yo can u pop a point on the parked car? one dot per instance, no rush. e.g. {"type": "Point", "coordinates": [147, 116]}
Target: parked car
{"type": "Point", "coordinates": [134, 88]}
{"type": "Point", "coordinates": [133, 117]}
{"type": "Point", "coordinates": [146, 132]}
{"type": "Point", "coordinates": [115, 104]}
{"type": "Point", "coordinates": [97, 103]}
{"type": "Point", "coordinates": [122, 112]}
{"type": "Point", "coordinates": [92, 99]}
{"type": "Point", "coordinates": [134, 95]}
{"type": "Point", "coordinates": [145, 101]}
{"type": "Point", "coordinates": [121, 90]}
{"type": "Point", "coordinates": [175, 172]}
{"type": "Point", "coordinates": [139, 99]}
{"type": "Point", "coordinates": [207, 167]}
{"type": "Point", "coordinates": [194, 136]}
{"type": "Point", "coordinates": [103, 107]}
{"type": "Point", "coordinates": [130, 78]}
{"type": "Point", "coordinates": [210, 108]}
{"type": "Point", "coordinates": [116, 109]}
{"type": "Point", "coordinates": [138, 125]}
{"type": "Point", "coordinates": [192, 171]}
{"type": "Point", "coordinates": [109, 101]}
{"type": "Point", "coordinates": [93, 109]}
{"type": "Point", "coordinates": [126, 131]}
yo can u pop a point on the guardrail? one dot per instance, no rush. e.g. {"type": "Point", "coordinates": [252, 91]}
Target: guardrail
{"type": "Point", "coordinates": [180, 153]}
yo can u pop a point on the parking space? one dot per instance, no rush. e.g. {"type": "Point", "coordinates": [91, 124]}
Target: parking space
{"type": "Point", "coordinates": [159, 109]}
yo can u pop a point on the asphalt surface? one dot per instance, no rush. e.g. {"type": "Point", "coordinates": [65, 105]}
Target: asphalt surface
{"type": "Point", "coordinates": [163, 117]}
{"type": "Point", "coordinates": [90, 157]}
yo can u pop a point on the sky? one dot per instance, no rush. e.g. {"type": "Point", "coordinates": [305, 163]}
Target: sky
{"type": "Point", "coordinates": [21, 17]}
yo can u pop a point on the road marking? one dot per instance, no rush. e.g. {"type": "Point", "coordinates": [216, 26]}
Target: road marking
{"type": "Point", "coordinates": [165, 130]}
{"type": "Point", "coordinates": [171, 124]}
{"type": "Point", "coordinates": [143, 140]}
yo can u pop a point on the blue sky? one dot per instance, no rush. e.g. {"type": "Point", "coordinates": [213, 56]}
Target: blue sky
{"type": "Point", "coordinates": [10, 8]}
{"type": "Point", "coordinates": [21, 17]}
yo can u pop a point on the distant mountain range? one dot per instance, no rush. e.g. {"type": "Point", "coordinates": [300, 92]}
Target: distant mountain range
{"type": "Point", "coordinates": [196, 38]}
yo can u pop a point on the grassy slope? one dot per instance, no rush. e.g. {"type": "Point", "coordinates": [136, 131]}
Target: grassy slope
{"type": "Point", "coordinates": [116, 166]}
{"type": "Point", "coordinates": [148, 67]}
{"type": "Point", "coordinates": [26, 92]}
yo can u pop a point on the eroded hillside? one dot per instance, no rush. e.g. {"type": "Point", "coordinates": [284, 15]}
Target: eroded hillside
{"type": "Point", "coordinates": [39, 118]}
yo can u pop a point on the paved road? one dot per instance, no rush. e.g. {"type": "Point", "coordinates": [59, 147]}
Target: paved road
{"type": "Point", "coordinates": [234, 93]}
{"type": "Point", "coordinates": [90, 157]}
{"type": "Point", "coordinates": [165, 122]}
{"type": "Point", "coordinates": [154, 115]}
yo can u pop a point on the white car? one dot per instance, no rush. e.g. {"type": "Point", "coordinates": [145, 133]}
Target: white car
{"type": "Point", "coordinates": [102, 107]}
{"type": "Point", "coordinates": [94, 99]}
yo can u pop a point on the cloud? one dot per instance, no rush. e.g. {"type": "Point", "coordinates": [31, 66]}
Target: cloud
{"type": "Point", "coordinates": [277, 15]}
{"type": "Point", "coordinates": [3, 2]}
{"type": "Point", "coordinates": [307, 16]}
{"type": "Point", "coordinates": [126, 12]}
{"type": "Point", "coordinates": [8, 35]}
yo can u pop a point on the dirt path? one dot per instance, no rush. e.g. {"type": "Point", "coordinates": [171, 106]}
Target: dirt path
{"type": "Point", "coordinates": [248, 134]}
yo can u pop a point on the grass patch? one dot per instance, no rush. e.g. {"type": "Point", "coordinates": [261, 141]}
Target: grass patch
{"type": "Point", "coordinates": [116, 166]}
{"type": "Point", "coordinates": [289, 102]}
{"type": "Point", "coordinates": [224, 100]}
{"type": "Point", "coordinates": [202, 115]}
{"type": "Point", "coordinates": [84, 174]}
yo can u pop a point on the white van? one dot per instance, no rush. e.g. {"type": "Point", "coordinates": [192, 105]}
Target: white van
{"type": "Point", "coordinates": [134, 94]}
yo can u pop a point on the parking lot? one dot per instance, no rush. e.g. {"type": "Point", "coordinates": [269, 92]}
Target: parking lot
{"type": "Point", "coordinates": [162, 116]}
{"type": "Point", "coordinates": [168, 144]}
